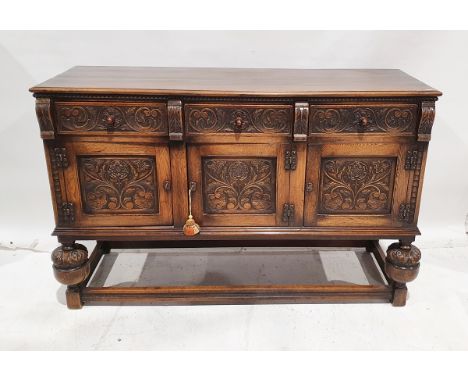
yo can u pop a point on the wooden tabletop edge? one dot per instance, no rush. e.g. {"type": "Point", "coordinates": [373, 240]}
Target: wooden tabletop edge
{"type": "Point", "coordinates": [215, 93]}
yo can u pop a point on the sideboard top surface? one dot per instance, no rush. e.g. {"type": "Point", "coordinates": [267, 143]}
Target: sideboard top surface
{"type": "Point", "coordinates": [236, 82]}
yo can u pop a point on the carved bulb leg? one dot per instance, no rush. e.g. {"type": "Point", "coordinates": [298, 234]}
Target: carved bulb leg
{"type": "Point", "coordinates": [71, 267]}
{"type": "Point", "coordinates": [402, 266]}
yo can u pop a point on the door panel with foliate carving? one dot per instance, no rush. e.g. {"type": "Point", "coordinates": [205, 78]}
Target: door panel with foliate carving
{"type": "Point", "coordinates": [355, 184]}
{"type": "Point", "coordinates": [119, 184]}
{"type": "Point", "coordinates": [239, 185]}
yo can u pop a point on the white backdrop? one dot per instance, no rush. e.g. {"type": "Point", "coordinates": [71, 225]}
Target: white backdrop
{"type": "Point", "coordinates": [27, 58]}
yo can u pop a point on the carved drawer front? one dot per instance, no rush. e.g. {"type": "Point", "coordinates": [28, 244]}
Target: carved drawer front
{"type": "Point", "coordinates": [396, 119]}
{"type": "Point", "coordinates": [239, 119]}
{"type": "Point", "coordinates": [115, 184]}
{"type": "Point", "coordinates": [356, 184]}
{"type": "Point", "coordinates": [111, 118]}
{"type": "Point", "coordinates": [243, 185]}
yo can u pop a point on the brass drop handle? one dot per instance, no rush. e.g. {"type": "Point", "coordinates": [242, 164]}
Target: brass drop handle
{"type": "Point", "coordinates": [167, 185]}
{"type": "Point", "coordinates": [192, 188]}
{"type": "Point", "coordinates": [238, 122]}
{"type": "Point", "coordinates": [191, 228]}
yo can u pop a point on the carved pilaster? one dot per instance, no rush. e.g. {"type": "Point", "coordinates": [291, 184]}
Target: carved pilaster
{"type": "Point", "coordinates": [56, 174]}
{"type": "Point", "coordinates": [44, 117]}
{"type": "Point", "coordinates": [70, 263]}
{"type": "Point", "coordinates": [301, 121]}
{"type": "Point", "coordinates": [426, 121]}
{"type": "Point", "coordinates": [174, 115]}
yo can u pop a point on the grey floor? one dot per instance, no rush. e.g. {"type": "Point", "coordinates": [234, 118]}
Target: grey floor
{"type": "Point", "coordinates": [33, 314]}
{"type": "Point", "coordinates": [236, 266]}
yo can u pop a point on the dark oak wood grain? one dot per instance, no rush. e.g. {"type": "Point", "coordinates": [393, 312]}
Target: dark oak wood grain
{"type": "Point", "coordinates": [272, 157]}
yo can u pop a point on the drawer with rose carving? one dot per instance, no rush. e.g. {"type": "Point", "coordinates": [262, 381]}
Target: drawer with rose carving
{"type": "Point", "coordinates": [212, 157]}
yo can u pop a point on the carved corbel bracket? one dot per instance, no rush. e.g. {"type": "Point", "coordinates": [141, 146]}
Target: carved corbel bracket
{"type": "Point", "coordinates": [301, 120]}
{"type": "Point", "coordinates": [175, 122]}
{"type": "Point", "coordinates": [44, 117]}
{"type": "Point", "coordinates": [426, 121]}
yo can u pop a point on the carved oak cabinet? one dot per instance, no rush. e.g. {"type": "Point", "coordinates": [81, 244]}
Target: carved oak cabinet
{"type": "Point", "coordinates": [256, 157]}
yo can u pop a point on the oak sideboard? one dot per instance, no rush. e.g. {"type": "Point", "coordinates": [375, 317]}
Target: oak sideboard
{"type": "Point", "coordinates": [143, 157]}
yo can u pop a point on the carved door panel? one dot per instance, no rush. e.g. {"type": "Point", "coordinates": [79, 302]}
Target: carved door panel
{"type": "Point", "coordinates": [238, 185]}
{"type": "Point", "coordinates": [360, 184]}
{"type": "Point", "coordinates": [119, 184]}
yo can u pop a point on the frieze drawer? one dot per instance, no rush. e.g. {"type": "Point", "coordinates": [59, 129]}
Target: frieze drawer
{"type": "Point", "coordinates": [395, 119]}
{"type": "Point", "coordinates": [115, 118]}
{"type": "Point", "coordinates": [239, 118]}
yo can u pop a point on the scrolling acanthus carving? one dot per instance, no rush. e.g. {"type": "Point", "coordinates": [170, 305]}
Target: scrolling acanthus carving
{"type": "Point", "coordinates": [250, 119]}
{"type": "Point", "coordinates": [140, 118]}
{"type": "Point", "coordinates": [240, 185]}
{"type": "Point", "coordinates": [350, 119]}
{"type": "Point", "coordinates": [357, 185]}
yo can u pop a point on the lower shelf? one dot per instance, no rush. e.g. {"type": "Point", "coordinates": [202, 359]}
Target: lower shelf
{"type": "Point", "coordinates": [186, 276]}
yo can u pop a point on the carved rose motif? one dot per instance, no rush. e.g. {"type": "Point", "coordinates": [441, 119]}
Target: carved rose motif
{"type": "Point", "coordinates": [238, 171]}
{"type": "Point", "coordinates": [355, 171]}
{"type": "Point", "coordinates": [118, 171]}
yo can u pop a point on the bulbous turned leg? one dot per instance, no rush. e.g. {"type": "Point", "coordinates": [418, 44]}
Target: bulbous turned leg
{"type": "Point", "coordinates": [71, 267]}
{"type": "Point", "coordinates": [402, 266]}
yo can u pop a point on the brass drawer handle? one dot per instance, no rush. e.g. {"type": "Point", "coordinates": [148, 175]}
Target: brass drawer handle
{"type": "Point", "coordinates": [191, 228]}
{"type": "Point", "coordinates": [167, 185]}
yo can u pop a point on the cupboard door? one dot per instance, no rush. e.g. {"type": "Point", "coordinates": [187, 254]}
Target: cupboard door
{"type": "Point", "coordinates": [361, 184]}
{"type": "Point", "coordinates": [119, 184]}
{"type": "Point", "coordinates": [238, 185]}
